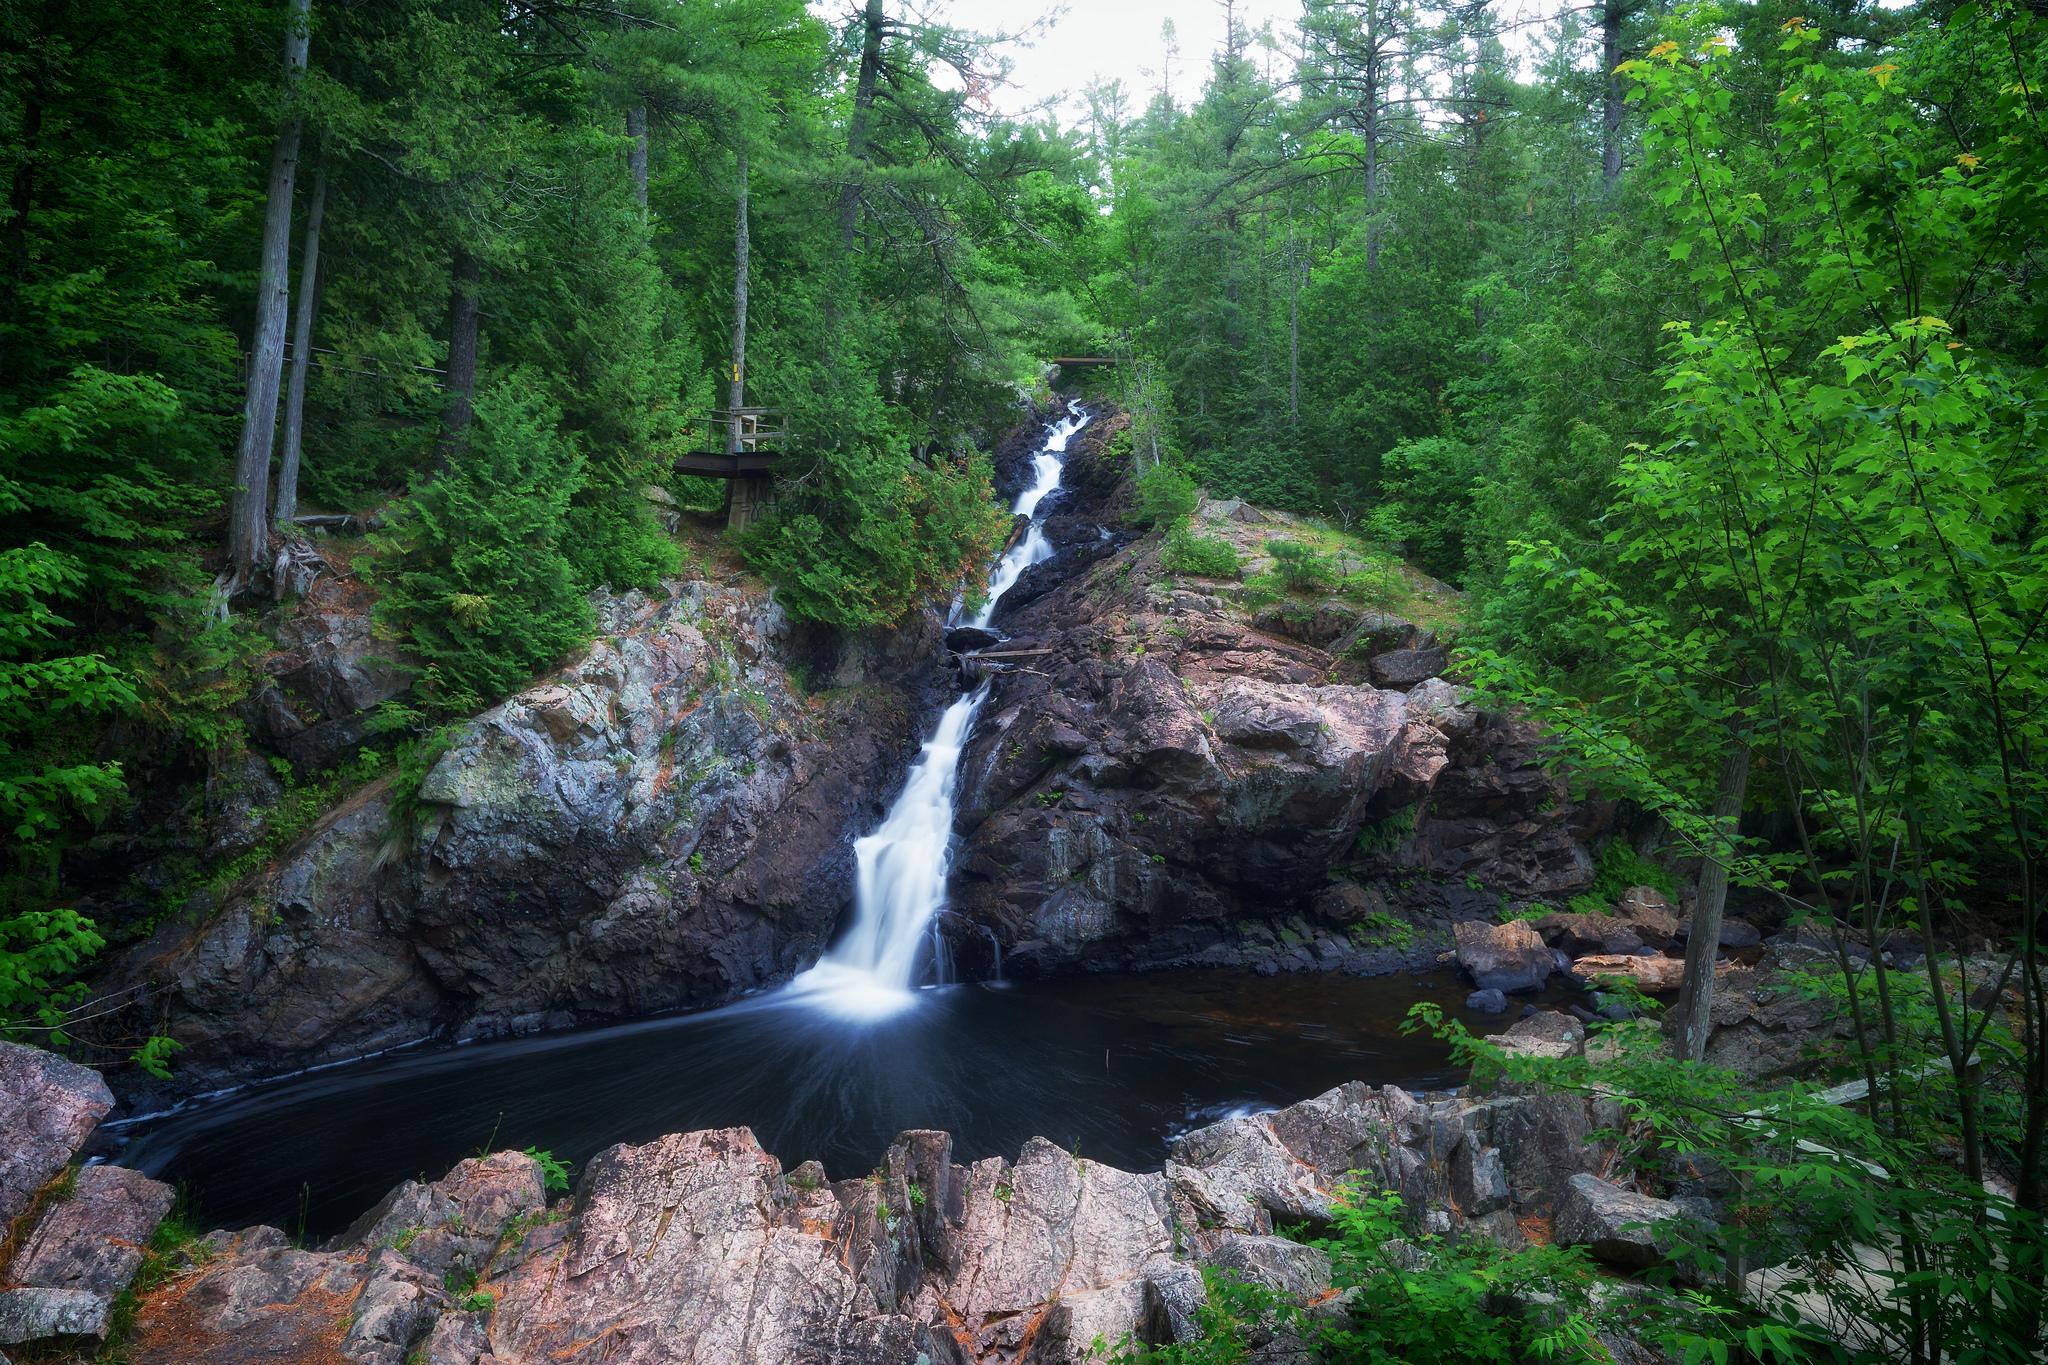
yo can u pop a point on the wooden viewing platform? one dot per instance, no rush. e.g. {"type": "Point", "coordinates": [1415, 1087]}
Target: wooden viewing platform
{"type": "Point", "coordinates": [1083, 362]}
{"type": "Point", "coordinates": [743, 461]}
{"type": "Point", "coordinates": [745, 431]}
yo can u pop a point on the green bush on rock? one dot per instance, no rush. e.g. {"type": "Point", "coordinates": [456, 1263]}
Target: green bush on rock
{"type": "Point", "coordinates": [473, 575]}
{"type": "Point", "coordinates": [1198, 555]}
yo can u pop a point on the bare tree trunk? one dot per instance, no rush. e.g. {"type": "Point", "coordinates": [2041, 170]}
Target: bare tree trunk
{"type": "Point", "coordinates": [248, 531]}
{"type": "Point", "coordinates": [465, 312]}
{"type": "Point", "coordinates": [745, 497]}
{"type": "Point", "coordinates": [1703, 946]}
{"type": "Point", "coordinates": [873, 21]}
{"type": "Point", "coordinates": [636, 155]}
{"type": "Point", "coordinates": [1372, 180]}
{"type": "Point", "coordinates": [741, 246]}
{"type": "Point", "coordinates": [1293, 331]}
{"type": "Point", "coordinates": [1611, 15]}
{"type": "Point", "coordinates": [287, 505]}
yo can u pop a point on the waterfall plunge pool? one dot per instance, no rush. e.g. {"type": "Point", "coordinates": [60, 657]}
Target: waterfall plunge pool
{"type": "Point", "coordinates": [1113, 1067]}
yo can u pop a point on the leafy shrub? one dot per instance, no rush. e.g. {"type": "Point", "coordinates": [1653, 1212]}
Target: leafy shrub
{"type": "Point", "coordinates": [1302, 568]}
{"type": "Point", "coordinates": [1376, 583]}
{"type": "Point", "coordinates": [554, 1172]}
{"type": "Point", "coordinates": [1165, 495]}
{"type": "Point", "coordinates": [1202, 556]}
{"type": "Point", "coordinates": [1426, 504]}
{"type": "Point", "coordinates": [40, 951]}
{"type": "Point", "coordinates": [1412, 1298]}
{"type": "Point", "coordinates": [879, 538]}
{"type": "Point", "coordinates": [472, 573]}
{"type": "Point", "coordinates": [1618, 868]}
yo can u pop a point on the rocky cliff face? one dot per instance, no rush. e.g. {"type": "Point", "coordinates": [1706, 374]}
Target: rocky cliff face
{"type": "Point", "coordinates": [1164, 773]}
{"type": "Point", "coordinates": [667, 822]}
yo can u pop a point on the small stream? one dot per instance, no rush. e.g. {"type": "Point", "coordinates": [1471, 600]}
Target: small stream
{"type": "Point", "coordinates": [855, 1050]}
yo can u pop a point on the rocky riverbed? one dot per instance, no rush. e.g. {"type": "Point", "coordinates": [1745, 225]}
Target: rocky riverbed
{"type": "Point", "coordinates": [700, 1248]}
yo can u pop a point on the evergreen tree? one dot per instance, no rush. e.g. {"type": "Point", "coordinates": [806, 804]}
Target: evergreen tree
{"type": "Point", "coordinates": [474, 577]}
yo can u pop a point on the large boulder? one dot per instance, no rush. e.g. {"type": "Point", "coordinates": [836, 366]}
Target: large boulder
{"type": "Point", "coordinates": [80, 1256]}
{"type": "Point", "coordinates": [1504, 957]}
{"type": "Point", "coordinates": [48, 1107]}
{"type": "Point", "coordinates": [1576, 935]}
{"type": "Point", "coordinates": [1619, 1226]}
{"type": "Point", "coordinates": [1650, 914]}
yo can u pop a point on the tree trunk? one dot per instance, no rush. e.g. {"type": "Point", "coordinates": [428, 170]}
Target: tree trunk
{"type": "Point", "coordinates": [465, 311]}
{"type": "Point", "coordinates": [1293, 331]}
{"type": "Point", "coordinates": [873, 20]}
{"type": "Point", "coordinates": [1372, 179]}
{"type": "Point", "coordinates": [741, 245]}
{"type": "Point", "coordinates": [636, 155]}
{"type": "Point", "coordinates": [1611, 15]}
{"type": "Point", "coordinates": [287, 505]}
{"type": "Point", "coordinates": [1703, 946]}
{"type": "Point", "coordinates": [744, 496]}
{"type": "Point", "coordinates": [248, 531]}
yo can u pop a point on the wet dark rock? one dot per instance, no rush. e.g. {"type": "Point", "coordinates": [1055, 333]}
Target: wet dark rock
{"type": "Point", "coordinates": [1172, 774]}
{"type": "Point", "coordinates": [1735, 933]}
{"type": "Point", "coordinates": [1577, 935]}
{"type": "Point", "coordinates": [1487, 1002]}
{"type": "Point", "coordinates": [967, 639]}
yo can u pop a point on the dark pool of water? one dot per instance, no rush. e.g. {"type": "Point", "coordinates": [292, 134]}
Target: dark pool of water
{"type": "Point", "coordinates": [1113, 1067]}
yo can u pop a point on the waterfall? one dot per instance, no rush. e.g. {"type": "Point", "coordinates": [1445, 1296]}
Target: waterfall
{"type": "Point", "coordinates": [1046, 468]}
{"type": "Point", "coordinates": [901, 883]}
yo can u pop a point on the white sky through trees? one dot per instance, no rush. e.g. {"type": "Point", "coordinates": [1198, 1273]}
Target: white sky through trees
{"type": "Point", "coordinates": [1068, 43]}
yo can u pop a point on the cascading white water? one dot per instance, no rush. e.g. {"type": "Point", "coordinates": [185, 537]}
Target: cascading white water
{"type": "Point", "coordinates": [1046, 468]}
{"type": "Point", "coordinates": [901, 883]}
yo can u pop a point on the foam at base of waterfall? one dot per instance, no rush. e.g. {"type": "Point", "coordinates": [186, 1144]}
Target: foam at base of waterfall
{"type": "Point", "coordinates": [850, 992]}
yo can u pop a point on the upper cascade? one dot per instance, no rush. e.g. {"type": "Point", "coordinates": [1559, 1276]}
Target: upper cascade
{"type": "Point", "coordinates": [1046, 468]}
{"type": "Point", "coordinates": [901, 883]}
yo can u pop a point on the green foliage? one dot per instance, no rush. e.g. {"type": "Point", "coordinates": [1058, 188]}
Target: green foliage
{"type": "Point", "coordinates": [1165, 495]}
{"type": "Point", "coordinates": [1618, 868]}
{"type": "Point", "coordinates": [916, 537]}
{"type": "Point", "coordinates": [1301, 567]}
{"type": "Point", "coordinates": [554, 1172]}
{"type": "Point", "coordinates": [1384, 836]}
{"type": "Point", "coordinates": [1813, 1182]}
{"type": "Point", "coordinates": [40, 952]}
{"type": "Point", "coordinates": [1413, 1298]}
{"type": "Point", "coordinates": [1199, 555]}
{"type": "Point", "coordinates": [1383, 929]}
{"type": "Point", "coordinates": [473, 575]}
{"type": "Point", "coordinates": [1426, 501]}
